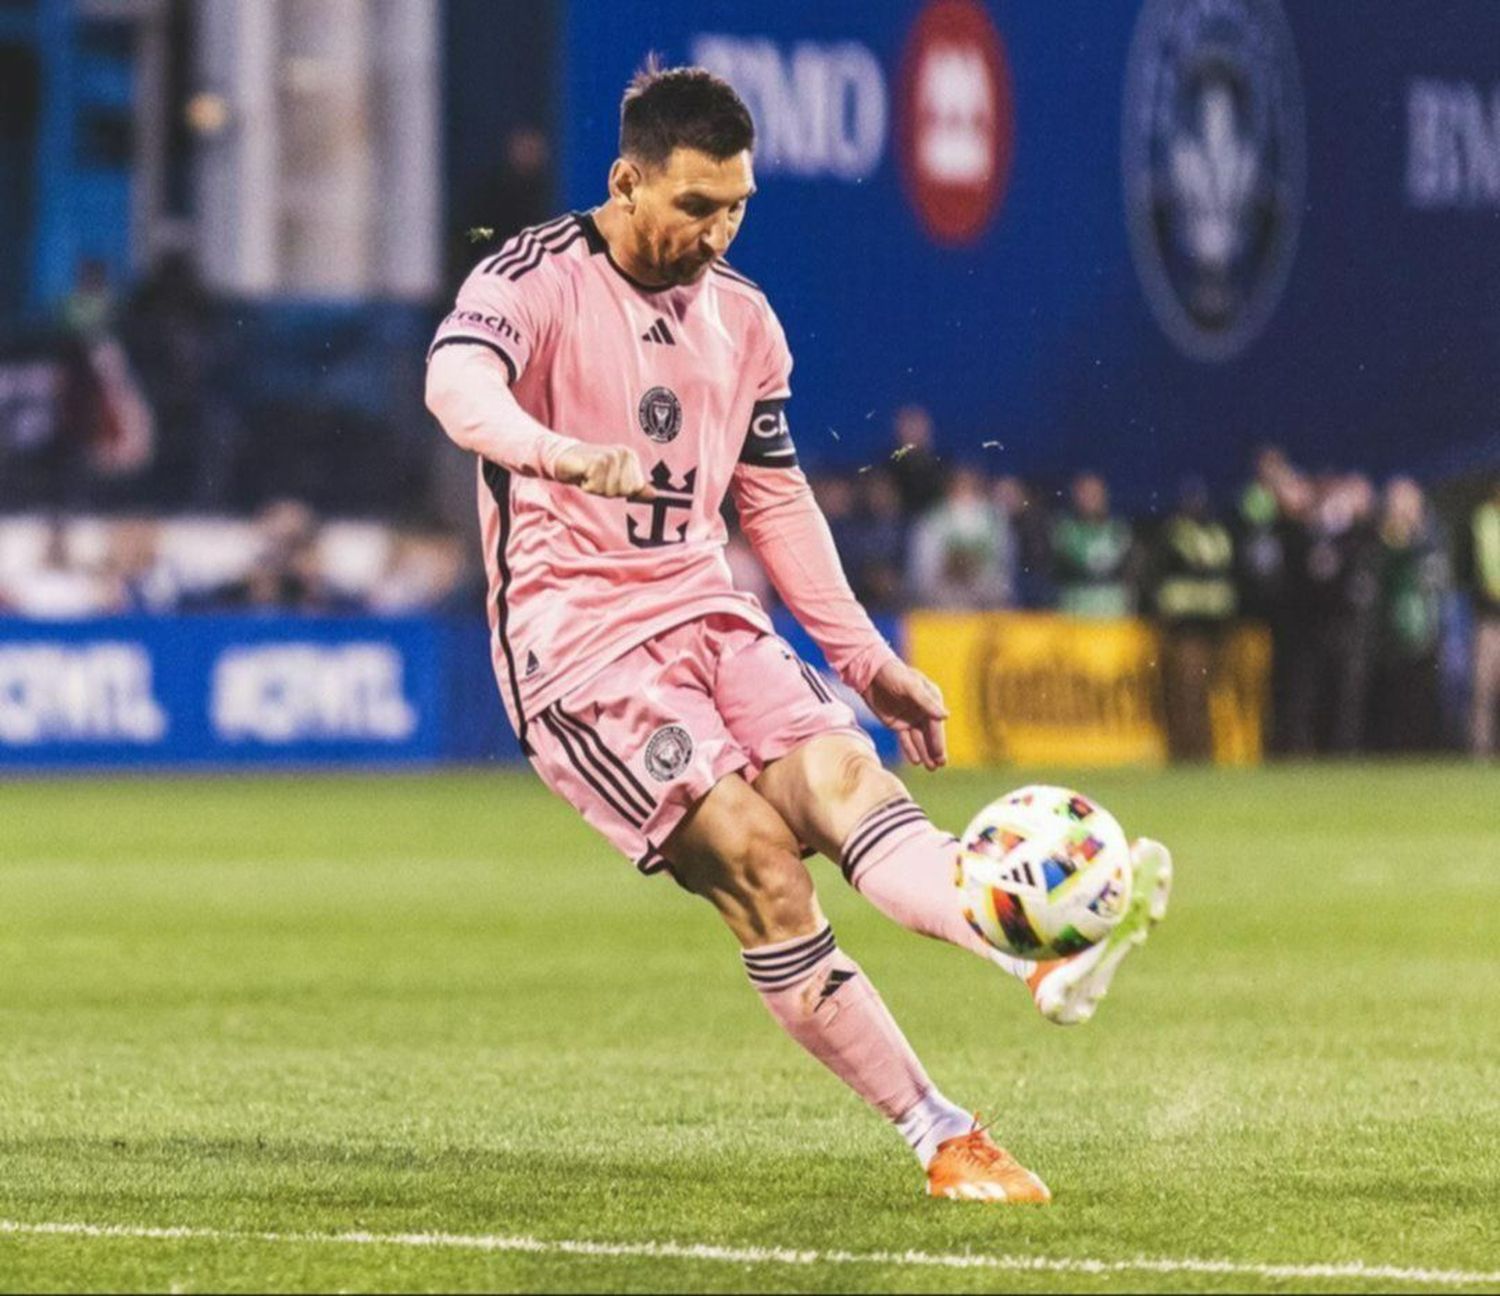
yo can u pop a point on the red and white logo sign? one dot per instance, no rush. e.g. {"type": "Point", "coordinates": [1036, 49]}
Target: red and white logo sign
{"type": "Point", "coordinates": [956, 120]}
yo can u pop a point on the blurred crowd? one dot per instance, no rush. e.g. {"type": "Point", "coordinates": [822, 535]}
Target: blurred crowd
{"type": "Point", "coordinates": [168, 397]}
{"type": "Point", "coordinates": [282, 559]}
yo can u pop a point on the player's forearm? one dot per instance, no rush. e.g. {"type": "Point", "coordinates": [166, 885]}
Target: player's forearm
{"type": "Point", "coordinates": [787, 530]}
{"type": "Point", "coordinates": [468, 393]}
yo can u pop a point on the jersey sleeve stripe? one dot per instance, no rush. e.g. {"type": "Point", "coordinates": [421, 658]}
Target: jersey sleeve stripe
{"type": "Point", "coordinates": [524, 240]}
{"type": "Point", "coordinates": [542, 253]}
{"type": "Point", "coordinates": [510, 365]}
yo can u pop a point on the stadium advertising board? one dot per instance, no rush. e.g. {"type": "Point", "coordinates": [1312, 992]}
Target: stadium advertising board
{"type": "Point", "coordinates": [244, 690]}
{"type": "Point", "coordinates": [1041, 689]}
{"type": "Point", "coordinates": [1105, 236]}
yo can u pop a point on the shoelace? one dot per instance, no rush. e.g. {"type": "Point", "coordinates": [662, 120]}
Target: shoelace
{"type": "Point", "coordinates": [981, 1150]}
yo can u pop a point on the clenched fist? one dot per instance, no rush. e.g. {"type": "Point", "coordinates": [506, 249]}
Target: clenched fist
{"type": "Point", "coordinates": [611, 471]}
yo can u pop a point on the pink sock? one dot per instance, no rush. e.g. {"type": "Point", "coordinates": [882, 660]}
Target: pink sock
{"type": "Point", "coordinates": [825, 1002]}
{"type": "Point", "coordinates": [904, 866]}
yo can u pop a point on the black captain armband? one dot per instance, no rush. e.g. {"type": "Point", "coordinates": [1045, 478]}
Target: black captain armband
{"type": "Point", "coordinates": [768, 441]}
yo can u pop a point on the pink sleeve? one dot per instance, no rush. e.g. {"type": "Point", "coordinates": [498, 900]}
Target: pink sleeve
{"type": "Point", "coordinates": [468, 390]}
{"type": "Point", "coordinates": [505, 315]}
{"type": "Point", "coordinates": [786, 528]}
{"type": "Point", "coordinates": [481, 348]}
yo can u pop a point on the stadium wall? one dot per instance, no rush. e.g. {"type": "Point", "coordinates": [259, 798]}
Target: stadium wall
{"type": "Point", "coordinates": [235, 691]}
{"type": "Point", "coordinates": [1140, 237]}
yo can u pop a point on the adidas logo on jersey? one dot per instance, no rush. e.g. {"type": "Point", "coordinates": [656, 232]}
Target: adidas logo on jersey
{"type": "Point", "coordinates": [532, 665]}
{"type": "Point", "coordinates": [659, 332]}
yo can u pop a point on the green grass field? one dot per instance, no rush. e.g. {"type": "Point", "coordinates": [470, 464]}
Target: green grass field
{"type": "Point", "coordinates": [257, 1010]}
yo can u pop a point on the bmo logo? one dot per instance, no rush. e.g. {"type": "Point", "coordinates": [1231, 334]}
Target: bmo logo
{"type": "Point", "coordinates": [820, 109]}
{"type": "Point", "coordinates": [956, 120]}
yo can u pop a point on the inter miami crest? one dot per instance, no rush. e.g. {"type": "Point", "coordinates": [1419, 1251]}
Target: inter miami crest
{"type": "Point", "coordinates": [668, 751]}
{"type": "Point", "coordinates": [660, 415]}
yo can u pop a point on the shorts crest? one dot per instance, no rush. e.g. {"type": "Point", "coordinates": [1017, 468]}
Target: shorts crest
{"type": "Point", "coordinates": [668, 752]}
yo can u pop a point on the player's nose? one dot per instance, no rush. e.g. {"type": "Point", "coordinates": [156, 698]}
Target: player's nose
{"type": "Point", "coordinates": [716, 239]}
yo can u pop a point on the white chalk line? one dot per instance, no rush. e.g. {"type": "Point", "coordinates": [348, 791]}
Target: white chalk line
{"type": "Point", "coordinates": [1354, 1269]}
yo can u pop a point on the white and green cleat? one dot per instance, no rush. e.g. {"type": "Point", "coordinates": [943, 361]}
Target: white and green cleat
{"type": "Point", "coordinates": [1067, 991]}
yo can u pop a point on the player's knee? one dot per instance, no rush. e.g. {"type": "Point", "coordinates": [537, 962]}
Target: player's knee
{"type": "Point", "coordinates": [852, 776]}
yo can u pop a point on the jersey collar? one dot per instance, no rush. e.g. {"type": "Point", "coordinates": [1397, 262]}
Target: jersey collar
{"type": "Point", "coordinates": [597, 244]}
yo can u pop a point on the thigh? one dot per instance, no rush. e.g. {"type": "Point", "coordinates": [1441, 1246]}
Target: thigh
{"type": "Point", "coordinates": [733, 849]}
{"type": "Point", "coordinates": [635, 748]}
{"type": "Point", "coordinates": [771, 701]}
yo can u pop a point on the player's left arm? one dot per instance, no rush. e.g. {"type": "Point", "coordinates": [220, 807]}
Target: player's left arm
{"type": "Point", "coordinates": [790, 536]}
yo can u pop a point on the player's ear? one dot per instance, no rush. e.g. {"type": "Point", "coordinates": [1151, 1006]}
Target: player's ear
{"type": "Point", "coordinates": [624, 180]}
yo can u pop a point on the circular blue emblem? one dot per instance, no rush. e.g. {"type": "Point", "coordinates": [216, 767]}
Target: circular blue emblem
{"type": "Point", "coordinates": [1214, 163]}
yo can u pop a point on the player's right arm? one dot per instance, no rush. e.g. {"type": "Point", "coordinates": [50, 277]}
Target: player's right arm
{"type": "Point", "coordinates": [481, 349]}
{"type": "Point", "coordinates": [468, 391]}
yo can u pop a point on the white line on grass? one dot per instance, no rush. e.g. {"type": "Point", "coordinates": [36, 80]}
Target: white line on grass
{"type": "Point", "coordinates": [1353, 1269]}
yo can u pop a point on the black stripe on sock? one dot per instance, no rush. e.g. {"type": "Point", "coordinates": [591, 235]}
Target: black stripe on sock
{"type": "Point", "coordinates": [770, 960]}
{"type": "Point", "coordinates": [587, 772]}
{"type": "Point", "coordinates": [781, 977]}
{"type": "Point", "coordinates": [608, 764]}
{"type": "Point", "coordinates": [875, 819]}
{"type": "Point", "coordinates": [851, 860]}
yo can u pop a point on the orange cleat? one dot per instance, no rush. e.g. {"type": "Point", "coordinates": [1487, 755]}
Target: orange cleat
{"type": "Point", "coordinates": [973, 1167]}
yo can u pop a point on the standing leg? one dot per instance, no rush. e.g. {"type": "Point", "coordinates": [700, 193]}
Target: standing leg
{"type": "Point", "coordinates": [737, 853]}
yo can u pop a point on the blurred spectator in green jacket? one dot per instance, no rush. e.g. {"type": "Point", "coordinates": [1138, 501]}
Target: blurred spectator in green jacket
{"type": "Point", "coordinates": [1413, 566]}
{"type": "Point", "coordinates": [1195, 602]}
{"type": "Point", "coordinates": [1483, 552]}
{"type": "Point", "coordinates": [1092, 554]}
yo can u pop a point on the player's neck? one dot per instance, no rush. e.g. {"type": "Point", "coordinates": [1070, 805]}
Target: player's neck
{"type": "Point", "coordinates": [614, 227]}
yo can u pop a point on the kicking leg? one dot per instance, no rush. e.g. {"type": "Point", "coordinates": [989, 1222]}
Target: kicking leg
{"type": "Point", "coordinates": [735, 851]}
{"type": "Point", "coordinates": [838, 798]}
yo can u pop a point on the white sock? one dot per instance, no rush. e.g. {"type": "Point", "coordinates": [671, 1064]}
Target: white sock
{"type": "Point", "coordinates": [1018, 967]}
{"type": "Point", "coordinates": [932, 1121]}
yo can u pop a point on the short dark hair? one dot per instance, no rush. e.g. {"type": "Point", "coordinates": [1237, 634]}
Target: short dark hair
{"type": "Point", "coordinates": [682, 107]}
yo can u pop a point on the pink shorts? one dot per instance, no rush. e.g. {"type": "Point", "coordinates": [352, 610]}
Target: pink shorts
{"type": "Point", "coordinates": [646, 739]}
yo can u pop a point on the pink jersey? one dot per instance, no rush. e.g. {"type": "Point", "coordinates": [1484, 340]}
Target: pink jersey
{"type": "Point", "coordinates": [693, 377]}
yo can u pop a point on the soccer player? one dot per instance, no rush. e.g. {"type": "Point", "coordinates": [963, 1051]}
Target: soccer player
{"type": "Point", "coordinates": [616, 378]}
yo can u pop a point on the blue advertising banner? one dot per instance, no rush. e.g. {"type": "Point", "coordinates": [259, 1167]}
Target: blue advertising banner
{"type": "Point", "coordinates": [245, 690]}
{"type": "Point", "coordinates": [1139, 237]}
{"type": "Point", "coordinates": [234, 690]}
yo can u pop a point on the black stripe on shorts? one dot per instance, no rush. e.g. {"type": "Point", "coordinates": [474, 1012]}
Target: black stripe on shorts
{"type": "Point", "coordinates": [607, 762]}
{"type": "Point", "coordinates": [589, 772]}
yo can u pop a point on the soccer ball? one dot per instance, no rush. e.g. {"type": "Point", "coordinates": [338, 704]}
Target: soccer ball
{"type": "Point", "coordinates": [1045, 872]}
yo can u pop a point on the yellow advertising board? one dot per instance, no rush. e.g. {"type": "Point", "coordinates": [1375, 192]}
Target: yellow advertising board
{"type": "Point", "coordinates": [1041, 689]}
